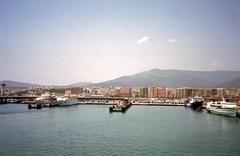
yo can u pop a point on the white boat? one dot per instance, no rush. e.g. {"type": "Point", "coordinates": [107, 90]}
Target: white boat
{"type": "Point", "coordinates": [46, 100]}
{"type": "Point", "coordinates": [63, 101]}
{"type": "Point", "coordinates": [45, 96]}
{"type": "Point", "coordinates": [222, 108]}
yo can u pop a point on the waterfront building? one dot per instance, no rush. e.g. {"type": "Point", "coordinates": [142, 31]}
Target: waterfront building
{"type": "Point", "coordinates": [155, 92]}
{"type": "Point", "coordinates": [221, 92]}
{"type": "Point", "coordinates": [125, 92]}
{"type": "Point", "coordinates": [161, 92]}
{"type": "Point", "coordinates": [200, 92]}
{"type": "Point", "coordinates": [213, 92]}
{"type": "Point", "coordinates": [113, 92]}
{"type": "Point", "coordinates": [73, 91]}
{"type": "Point", "coordinates": [170, 92]}
{"type": "Point", "coordinates": [143, 92]}
{"type": "Point", "coordinates": [238, 92]}
{"type": "Point", "coordinates": [135, 92]}
{"type": "Point", "coordinates": [184, 92]}
{"type": "Point", "coordinates": [67, 92]}
{"type": "Point", "coordinates": [207, 92]}
{"type": "Point", "coordinates": [231, 92]}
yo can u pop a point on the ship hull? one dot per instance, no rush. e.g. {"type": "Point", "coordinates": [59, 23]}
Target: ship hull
{"type": "Point", "coordinates": [196, 105]}
{"type": "Point", "coordinates": [223, 111]}
{"type": "Point", "coordinates": [68, 103]}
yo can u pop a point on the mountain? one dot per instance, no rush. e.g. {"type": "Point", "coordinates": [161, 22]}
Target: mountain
{"type": "Point", "coordinates": [20, 85]}
{"type": "Point", "coordinates": [15, 84]}
{"type": "Point", "coordinates": [174, 78]}
{"type": "Point", "coordinates": [231, 84]}
{"type": "Point", "coordinates": [80, 84]}
{"type": "Point", "coordinates": [158, 77]}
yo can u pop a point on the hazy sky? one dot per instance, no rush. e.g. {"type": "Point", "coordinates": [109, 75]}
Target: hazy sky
{"type": "Point", "coordinates": [66, 41]}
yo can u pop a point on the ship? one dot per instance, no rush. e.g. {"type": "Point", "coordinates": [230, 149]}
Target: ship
{"type": "Point", "coordinates": [63, 101]}
{"type": "Point", "coordinates": [45, 96]}
{"type": "Point", "coordinates": [196, 102]}
{"type": "Point", "coordinates": [222, 108]}
{"type": "Point", "coordinates": [45, 100]}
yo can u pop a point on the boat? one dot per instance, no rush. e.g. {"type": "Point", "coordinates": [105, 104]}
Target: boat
{"type": "Point", "coordinates": [63, 101]}
{"type": "Point", "coordinates": [45, 96]}
{"type": "Point", "coordinates": [120, 107]}
{"type": "Point", "coordinates": [186, 103]}
{"type": "Point", "coordinates": [45, 100]}
{"type": "Point", "coordinates": [196, 102]}
{"type": "Point", "coordinates": [222, 108]}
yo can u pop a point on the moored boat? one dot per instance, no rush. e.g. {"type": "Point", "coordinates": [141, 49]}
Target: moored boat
{"type": "Point", "coordinates": [222, 108]}
{"type": "Point", "coordinates": [46, 100]}
{"type": "Point", "coordinates": [196, 102]}
{"type": "Point", "coordinates": [63, 101]}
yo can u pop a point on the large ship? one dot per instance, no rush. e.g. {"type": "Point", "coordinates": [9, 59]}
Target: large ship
{"type": "Point", "coordinates": [222, 108]}
{"type": "Point", "coordinates": [63, 101]}
{"type": "Point", "coordinates": [196, 102]}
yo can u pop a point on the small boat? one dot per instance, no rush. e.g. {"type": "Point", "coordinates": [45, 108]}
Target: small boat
{"type": "Point", "coordinates": [196, 102]}
{"type": "Point", "coordinates": [186, 103]}
{"type": "Point", "coordinates": [222, 108]}
{"type": "Point", "coordinates": [63, 101]}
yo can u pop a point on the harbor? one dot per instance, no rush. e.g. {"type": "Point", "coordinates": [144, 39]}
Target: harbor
{"type": "Point", "coordinates": [83, 126]}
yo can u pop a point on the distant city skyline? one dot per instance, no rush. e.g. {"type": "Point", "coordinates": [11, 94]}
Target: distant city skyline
{"type": "Point", "coordinates": [60, 42]}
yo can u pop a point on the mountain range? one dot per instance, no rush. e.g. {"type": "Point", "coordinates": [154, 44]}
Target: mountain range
{"type": "Point", "coordinates": [162, 78]}
{"type": "Point", "coordinates": [177, 78]}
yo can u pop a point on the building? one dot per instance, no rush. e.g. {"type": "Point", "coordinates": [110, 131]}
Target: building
{"type": "Point", "coordinates": [74, 91]}
{"type": "Point", "coordinates": [113, 92]}
{"type": "Point", "coordinates": [135, 92]}
{"type": "Point", "coordinates": [143, 92]}
{"type": "Point", "coordinates": [213, 92]}
{"type": "Point", "coordinates": [170, 92]}
{"type": "Point", "coordinates": [231, 92]}
{"type": "Point", "coordinates": [207, 92]}
{"type": "Point", "coordinates": [161, 92]}
{"type": "Point", "coordinates": [125, 92]}
{"type": "Point", "coordinates": [185, 92]}
{"type": "Point", "coordinates": [157, 92]}
{"type": "Point", "coordinates": [221, 92]}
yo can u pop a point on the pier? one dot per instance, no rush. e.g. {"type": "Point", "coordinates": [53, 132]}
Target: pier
{"type": "Point", "coordinates": [121, 107]}
{"type": "Point", "coordinates": [17, 99]}
{"type": "Point", "coordinates": [101, 100]}
{"type": "Point", "coordinates": [118, 104]}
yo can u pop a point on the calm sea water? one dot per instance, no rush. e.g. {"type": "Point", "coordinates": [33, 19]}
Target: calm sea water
{"type": "Point", "coordinates": [92, 130]}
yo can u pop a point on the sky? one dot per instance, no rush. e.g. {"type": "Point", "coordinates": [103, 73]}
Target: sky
{"type": "Point", "coordinates": [61, 42]}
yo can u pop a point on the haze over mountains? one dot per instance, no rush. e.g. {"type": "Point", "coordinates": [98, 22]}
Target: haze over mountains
{"type": "Point", "coordinates": [15, 84]}
{"type": "Point", "coordinates": [162, 78]}
{"type": "Point", "coordinates": [175, 78]}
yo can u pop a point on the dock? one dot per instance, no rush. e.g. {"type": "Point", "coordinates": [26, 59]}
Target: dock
{"type": "Point", "coordinates": [43, 103]}
{"type": "Point", "coordinates": [120, 107]}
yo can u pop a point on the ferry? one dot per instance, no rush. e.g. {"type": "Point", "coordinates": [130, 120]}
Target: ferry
{"type": "Point", "coordinates": [196, 102]}
{"type": "Point", "coordinates": [63, 101]}
{"type": "Point", "coordinates": [222, 108]}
